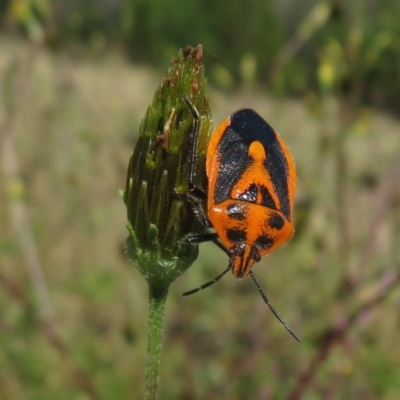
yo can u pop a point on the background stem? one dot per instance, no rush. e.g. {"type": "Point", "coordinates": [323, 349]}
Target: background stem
{"type": "Point", "coordinates": [157, 299]}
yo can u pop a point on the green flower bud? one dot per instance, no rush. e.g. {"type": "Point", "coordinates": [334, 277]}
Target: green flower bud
{"type": "Point", "coordinates": [158, 220]}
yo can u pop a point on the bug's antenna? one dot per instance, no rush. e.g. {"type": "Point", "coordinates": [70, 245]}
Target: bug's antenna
{"type": "Point", "coordinates": [206, 285]}
{"type": "Point", "coordinates": [263, 295]}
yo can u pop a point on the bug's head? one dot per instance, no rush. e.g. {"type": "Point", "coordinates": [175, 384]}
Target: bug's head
{"type": "Point", "coordinates": [243, 257]}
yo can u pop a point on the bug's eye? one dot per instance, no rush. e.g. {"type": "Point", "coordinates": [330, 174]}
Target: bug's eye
{"type": "Point", "coordinates": [256, 256]}
{"type": "Point", "coordinates": [233, 251]}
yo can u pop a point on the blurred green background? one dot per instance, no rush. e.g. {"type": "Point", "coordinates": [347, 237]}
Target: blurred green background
{"type": "Point", "coordinates": [75, 80]}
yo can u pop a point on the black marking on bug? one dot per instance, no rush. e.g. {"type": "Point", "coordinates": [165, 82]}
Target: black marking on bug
{"type": "Point", "coordinates": [278, 169]}
{"type": "Point", "coordinates": [264, 242]}
{"type": "Point", "coordinates": [236, 235]}
{"type": "Point", "coordinates": [275, 222]}
{"type": "Point", "coordinates": [250, 194]}
{"type": "Point", "coordinates": [237, 212]}
{"type": "Point", "coordinates": [266, 198]}
{"type": "Point", "coordinates": [246, 127]}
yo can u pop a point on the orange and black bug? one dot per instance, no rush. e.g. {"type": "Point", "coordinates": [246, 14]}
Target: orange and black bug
{"type": "Point", "coordinates": [251, 187]}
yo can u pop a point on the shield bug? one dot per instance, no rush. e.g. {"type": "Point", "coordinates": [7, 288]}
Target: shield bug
{"type": "Point", "coordinates": [248, 205]}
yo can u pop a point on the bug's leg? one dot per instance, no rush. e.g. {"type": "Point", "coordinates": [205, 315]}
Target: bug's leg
{"type": "Point", "coordinates": [205, 237]}
{"type": "Point", "coordinates": [206, 285]}
{"type": "Point", "coordinates": [265, 298]}
{"type": "Point", "coordinates": [194, 135]}
{"type": "Point", "coordinates": [197, 206]}
{"type": "Point", "coordinates": [196, 196]}
{"type": "Point", "coordinates": [221, 246]}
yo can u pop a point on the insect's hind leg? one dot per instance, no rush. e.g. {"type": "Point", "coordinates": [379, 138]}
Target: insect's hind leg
{"type": "Point", "coordinates": [196, 196]}
{"type": "Point", "coordinates": [194, 136]}
{"type": "Point", "coordinates": [197, 206]}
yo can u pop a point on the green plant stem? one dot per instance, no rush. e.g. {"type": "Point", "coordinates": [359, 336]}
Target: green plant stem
{"type": "Point", "coordinates": [157, 300]}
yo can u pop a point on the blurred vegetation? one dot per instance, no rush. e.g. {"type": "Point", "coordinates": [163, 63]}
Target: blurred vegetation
{"type": "Point", "coordinates": [76, 78]}
{"type": "Point", "coordinates": [256, 37]}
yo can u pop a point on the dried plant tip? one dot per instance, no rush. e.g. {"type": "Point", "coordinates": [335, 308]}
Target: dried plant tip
{"type": "Point", "coordinates": [158, 221]}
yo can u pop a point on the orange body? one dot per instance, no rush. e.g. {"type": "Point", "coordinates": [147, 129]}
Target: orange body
{"type": "Point", "coordinates": [251, 189]}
